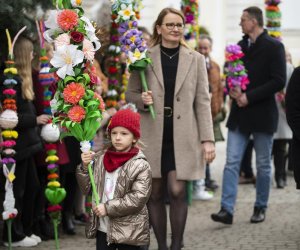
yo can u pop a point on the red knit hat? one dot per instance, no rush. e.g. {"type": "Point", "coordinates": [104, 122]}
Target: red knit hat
{"type": "Point", "coordinates": [128, 119]}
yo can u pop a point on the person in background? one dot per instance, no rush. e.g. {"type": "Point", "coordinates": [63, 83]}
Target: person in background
{"type": "Point", "coordinates": [253, 112]}
{"type": "Point", "coordinates": [26, 185]}
{"type": "Point", "coordinates": [292, 114]}
{"type": "Point", "coordinates": [180, 139]}
{"type": "Point", "coordinates": [217, 92]}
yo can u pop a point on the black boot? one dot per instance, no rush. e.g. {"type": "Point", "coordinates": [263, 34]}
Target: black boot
{"type": "Point", "coordinates": [222, 216]}
{"type": "Point", "coordinates": [67, 223]}
{"type": "Point", "coordinates": [259, 215]}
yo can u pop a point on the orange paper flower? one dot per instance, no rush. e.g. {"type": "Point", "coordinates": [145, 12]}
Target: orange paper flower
{"type": "Point", "coordinates": [73, 92]}
{"type": "Point", "coordinates": [67, 19]}
{"type": "Point", "coordinates": [76, 113]}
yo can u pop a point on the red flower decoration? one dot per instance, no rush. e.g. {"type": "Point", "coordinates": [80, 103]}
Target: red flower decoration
{"type": "Point", "coordinates": [76, 113]}
{"type": "Point", "coordinates": [93, 78]}
{"type": "Point", "coordinates": [50, 146]}
{"type": "Point", "coordinates": [67, 19]}
{"type": "Point", "coordinates": [73, 92]}
{"type": "Point", "coordinates": [76, 36]}
{"type": "Point", "coordinates": [54, 208]}
{"type": "Point", "coordinates": [112, 70]}
{"type": "Point", "coordinates": [102, 104]}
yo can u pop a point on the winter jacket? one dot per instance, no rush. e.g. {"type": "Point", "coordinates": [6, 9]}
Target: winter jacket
{"type": "Point", "coordinates": [127, 211]}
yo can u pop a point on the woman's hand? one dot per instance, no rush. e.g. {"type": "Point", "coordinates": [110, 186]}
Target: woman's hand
{"type": "Point", "coordinates": [42, 119]}
{"type": "Point", "coordinates": [208, 149]}
{"type": "Point", "coordinates": [147, 97]}
{"type": "Point", "coordinates": [100, 210]}
{"type": "Point", "coordinates": [87, 158]}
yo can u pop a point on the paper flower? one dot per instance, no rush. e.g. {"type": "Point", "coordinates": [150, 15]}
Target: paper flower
{"type": "Point", "coordinates": [88, 50]}
{"type": "Point", "coordinates": [126, 12]}
{"type": "Point", "coordinates": [65, 58]}
{"type": "Point", "coordinates": [236, 72]}
{"type": "Point", "coordinates": [61, 40]}
{"type": "Point", "coordinates": [51, 158]}
{"type": "Point", "coordinates": [73, 92]}
{"type": "Point", "coordinates": [76, 3]}
{"type": "Point", "coordinates": [67, 19]}
{"type": "Point", "coordinates": [10, 134]}
{"type": "Point", "coordinates": [54, 208]}
{"type": "Point", "coordinates": [8, 144]}
{"type": "Point", "coordinates": [76, 113]}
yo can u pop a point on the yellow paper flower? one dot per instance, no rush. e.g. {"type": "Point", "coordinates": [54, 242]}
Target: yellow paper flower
{"type": "Point", "coordinates": [53, 184]}
{"type": "Point", "coordinates": [13, 71]}
{"type": "Point", "coordinates": [51, 158]}
{"type": "Point", "coordinates": [10, 134]}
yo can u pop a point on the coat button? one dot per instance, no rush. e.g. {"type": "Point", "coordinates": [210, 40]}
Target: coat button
{"type": "Point", "coordinates": [178, 99]}
{"type": "Point", "coordinates": [178, 117]}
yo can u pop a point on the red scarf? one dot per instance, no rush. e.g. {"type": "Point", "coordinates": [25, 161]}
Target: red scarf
{"type": "Point", "coordinates": [113, 160]}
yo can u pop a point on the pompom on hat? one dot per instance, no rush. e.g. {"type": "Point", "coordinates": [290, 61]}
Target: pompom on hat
{"type": "Point", "coordinates": [126, 118]}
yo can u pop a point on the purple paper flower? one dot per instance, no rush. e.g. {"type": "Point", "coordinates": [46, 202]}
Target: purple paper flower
{"type": "Point", "coordinates": [7, 160]}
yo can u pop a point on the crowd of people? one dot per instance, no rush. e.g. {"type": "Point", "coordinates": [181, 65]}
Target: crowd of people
{"type": "Point", "coordinates": [142, 164]}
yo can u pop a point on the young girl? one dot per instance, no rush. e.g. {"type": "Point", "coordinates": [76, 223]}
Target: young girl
{"type": "Point", "coordinates": [123, 180]}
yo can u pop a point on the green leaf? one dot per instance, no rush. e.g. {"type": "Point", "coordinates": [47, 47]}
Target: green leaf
{"type": "Point", "coordinates": [69, 79]}
{"type": "Point", "coordinates": [53, 69]}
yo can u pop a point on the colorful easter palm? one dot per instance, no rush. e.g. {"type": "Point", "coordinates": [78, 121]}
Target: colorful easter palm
{"type": "Point", "coordinates": [8, 121]}
{"type": "Point", "coordinates": [132, 42]}
{"type": "Point", "coordinates": [76, 107]}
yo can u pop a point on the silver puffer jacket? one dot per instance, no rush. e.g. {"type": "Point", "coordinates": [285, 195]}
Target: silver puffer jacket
{"type": "Point", "coordinates": [127, 211]}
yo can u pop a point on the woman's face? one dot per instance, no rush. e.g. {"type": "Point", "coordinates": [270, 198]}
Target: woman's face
{"type": "Point", "coordinates": [171, 30]}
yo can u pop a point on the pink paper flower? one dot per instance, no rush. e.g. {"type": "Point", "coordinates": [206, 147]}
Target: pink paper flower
{"type": "Point", "coordinates": [67, 19]}
{"type": "Point", "coordinates": [88, 50]}
{"type": "Point", "coordinates": [63, 39]}
{"type": "Point", "coordinates": [9, 92]}
{"type": "Point", "coordinates": [8, 144]}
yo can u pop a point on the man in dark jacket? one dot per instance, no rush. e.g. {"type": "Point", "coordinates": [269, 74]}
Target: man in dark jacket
{"type": "Point", "coordinates": [253, 112]}
{"type": "Point", "coordinates": [293, 118]}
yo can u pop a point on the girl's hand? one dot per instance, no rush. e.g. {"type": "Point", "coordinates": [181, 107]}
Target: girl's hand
{"type": "Point", "coordinates": [100, 210]}
{"type": "Point", "coordinates": [147, 97]}
{"type": "Point", "coordinates": [87, 158]}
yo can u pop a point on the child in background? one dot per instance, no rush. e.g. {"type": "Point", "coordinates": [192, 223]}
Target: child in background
{"type": "Point", "coordinates": [123, 180]}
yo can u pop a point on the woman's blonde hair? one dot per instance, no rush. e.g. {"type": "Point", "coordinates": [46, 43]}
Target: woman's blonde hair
{"type": "Point", "coordinates": [156, 38]}
{"type": "Point", "coordinates": [22, 53]}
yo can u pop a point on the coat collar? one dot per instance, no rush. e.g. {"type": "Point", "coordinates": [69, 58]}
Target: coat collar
{"type": "Point", "coordinates": [184, 63]}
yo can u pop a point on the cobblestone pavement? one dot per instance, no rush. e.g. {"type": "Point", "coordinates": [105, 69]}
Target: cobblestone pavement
{"type": "Point", "coordinates": [280, 231]}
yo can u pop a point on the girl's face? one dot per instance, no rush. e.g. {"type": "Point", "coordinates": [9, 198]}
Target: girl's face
{"type": "Point", "coordinates": [122, 139]}
{"type": "Point", "coordinates": [171, 30]}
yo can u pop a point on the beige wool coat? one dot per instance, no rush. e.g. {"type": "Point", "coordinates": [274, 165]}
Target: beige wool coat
{"type": "Point", "coordinates": [191, 115]}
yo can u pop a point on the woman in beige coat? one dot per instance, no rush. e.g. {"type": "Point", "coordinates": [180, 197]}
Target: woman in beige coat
{"type": "Point", "coordinates": [183, 126]}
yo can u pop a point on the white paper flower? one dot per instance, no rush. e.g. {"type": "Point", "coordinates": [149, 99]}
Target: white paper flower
{"type": "Point", "coordinates": [137, 55]}
{"type": "Point", "coordinates": [52, 25]}
{"type": "Point", "coordinates": [88, 50]}
{"type": "Point", "coordinates": [126, 12]}
{"type": "Point", "coordinates": [90, 31]}
{"type": "Point", "coordinates": [65, 58]}
{"type": "Point", "coordinates": [112, 92]}
{"type": "Point", "coordinates": [63, 39]}
{"type": "Point", "coordinates": [50, 132]}
{"type": "Point", "coordinates": [53, 105]}
{"type": "Point", "coordinates": [85, 146]}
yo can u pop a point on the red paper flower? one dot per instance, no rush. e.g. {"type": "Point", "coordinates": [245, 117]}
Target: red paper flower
{"type": "Point", "coordinates": [76, 36]}
{"type": "Point", "coordinates": [112, 70]}
{"type": "Point", "coordinates": [54, 208]}
{"type": "Point", "coordinates": [102, 104]}
{"type": "Point", "coordinates": [73, 93]}
{"type": "Point", "coordinates": [67, 19]}
{"type": "Point", "coordinates": [50, 146]}
{"type": "Point", "coordinates": [93, 78]}
{"type": "Point", "coordinates": [76, 113]}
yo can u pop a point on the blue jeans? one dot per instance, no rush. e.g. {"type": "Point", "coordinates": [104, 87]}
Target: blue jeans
{"type": "Point", "coordinates": [236, 145]}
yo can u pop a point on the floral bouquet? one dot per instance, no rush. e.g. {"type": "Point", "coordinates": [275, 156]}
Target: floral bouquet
{"type": "Point", "coordinates": [236, 72]}
{"type": "Point", "coordinates": [76, 107]}
{"type": "Point", "coordinates": [191, 14]}
{"type": "Point", "coordinates": [273, 16]}
{"type": "Point", "coordinates": [8, 121]}
{"type": "Point", "coordinates": [132, 42]}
